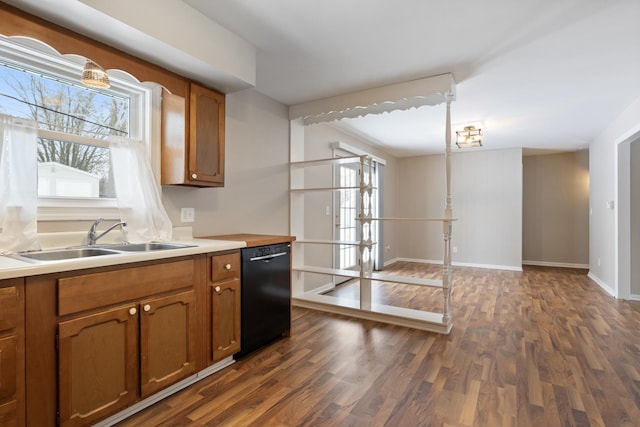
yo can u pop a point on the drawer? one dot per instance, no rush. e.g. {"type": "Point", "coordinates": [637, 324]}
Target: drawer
{"type": "Point", "coordinates": [90, 291]}
{"type": "Point", "coordinates": [8, 308]}
{"type": "Point", "coordinates": [224, 267]}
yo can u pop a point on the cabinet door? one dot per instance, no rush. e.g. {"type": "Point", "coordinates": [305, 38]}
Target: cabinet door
{"type": "Point", "coordinates": [12, 374]}
{"type": "Point", "coordinates": [167, 341]}
{"type": "Point", "coordinates": [225, 319]}
{"type": "Point", "coordinates": [99, 349]}
{"type": "Point", "coordinates": [206, 136]}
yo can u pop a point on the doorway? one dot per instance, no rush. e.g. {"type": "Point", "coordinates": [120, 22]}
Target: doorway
{"type": "Point", "coordinates": [347, 206]}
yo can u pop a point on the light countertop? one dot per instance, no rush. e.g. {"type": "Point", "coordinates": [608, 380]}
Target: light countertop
{"type": "Point", "coordinates": [254, 239]}
{"type": "Point", "coordinates": [11, 268]}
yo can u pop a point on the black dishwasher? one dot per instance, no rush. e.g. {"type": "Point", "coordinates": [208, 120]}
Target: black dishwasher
{"type": "Point", "coordinates": [266, 295]}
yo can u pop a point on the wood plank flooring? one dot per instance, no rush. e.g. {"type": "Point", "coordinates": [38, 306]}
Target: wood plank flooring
{"type": "Point", "coordinates": [543, 347]}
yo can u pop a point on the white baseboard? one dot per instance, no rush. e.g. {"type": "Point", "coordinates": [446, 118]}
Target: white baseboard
{"type": "Point", "coordinates": [634, 297]}
{"type": "Point", "coordinates": [391, 261]}
{"type": "Point", "coordinates": [124, 414]}
{"type": "Point", "coordinates": [456, 264]}
{"type": "Point", "coordinates": [603, 285]}
{"type": "Point", "coordinates": [321, 289]}
{"type": "Point", "coordinates": [555, 264]}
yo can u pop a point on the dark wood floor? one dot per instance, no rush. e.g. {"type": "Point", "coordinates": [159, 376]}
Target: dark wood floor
{"type": "Point", "coordinates": [545, 347]}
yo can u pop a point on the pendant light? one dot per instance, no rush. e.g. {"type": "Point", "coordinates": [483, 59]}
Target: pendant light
{"type": "Point", "coordinates": [94, 75]}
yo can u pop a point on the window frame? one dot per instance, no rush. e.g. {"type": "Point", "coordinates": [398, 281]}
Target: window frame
{"type": "Point", "coordinates": [145, 99]}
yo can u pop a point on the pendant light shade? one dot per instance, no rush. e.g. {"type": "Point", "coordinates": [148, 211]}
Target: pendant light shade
{"type": "Point", "coordinates": [94, 75]}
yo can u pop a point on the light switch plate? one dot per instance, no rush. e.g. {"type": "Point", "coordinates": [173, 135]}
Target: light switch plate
{"type": "Point", "coordinates": [187, 215]}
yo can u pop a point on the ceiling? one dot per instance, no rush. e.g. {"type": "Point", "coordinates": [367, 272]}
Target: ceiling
{"type": "Point", "coordinates": [538, 74]}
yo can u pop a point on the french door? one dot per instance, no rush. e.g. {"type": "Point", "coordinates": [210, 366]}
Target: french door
{"type": "Point", "coordinates": [346, 210]}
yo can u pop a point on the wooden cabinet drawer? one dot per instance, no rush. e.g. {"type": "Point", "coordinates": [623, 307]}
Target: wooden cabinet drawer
{"type": "Point", "coordinates": [224, 267]}
{"type": "Point", "coordinates": [8, 308]}
{"type": "Point", "coordinates": [79, 293]}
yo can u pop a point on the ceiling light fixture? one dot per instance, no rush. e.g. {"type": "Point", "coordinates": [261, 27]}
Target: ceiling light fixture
{"type": "Point", "coordinates": [94, 75]}
{"type": "Point", "coordinates": [470, 137]}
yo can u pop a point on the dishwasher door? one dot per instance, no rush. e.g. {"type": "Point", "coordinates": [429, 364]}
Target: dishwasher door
{"type": "Point", "coordinates": [266, 295]}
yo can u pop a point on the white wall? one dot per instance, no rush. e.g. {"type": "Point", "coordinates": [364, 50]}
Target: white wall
{"type": "Point", "coordinates": [255, 198]}
{"type": "Point", "coordinates": [603, 176]}
{"type": "Point", "coordinates": [487, 202]}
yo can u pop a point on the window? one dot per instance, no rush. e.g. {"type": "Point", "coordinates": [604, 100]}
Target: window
{"type": "Point", "coordinates": [74, 122]}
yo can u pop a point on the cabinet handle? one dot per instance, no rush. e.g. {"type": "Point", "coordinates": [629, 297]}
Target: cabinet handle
{"type": "Point", "coordinates": [227, 267]}
{"type": "Point", "coordinates": [194, 176]}
{"type": "Point", "coordinates": [146, 307]}
{"type": "Point", "coordinates": [132, 311]}
{"type": "Point", "coordinates": [217, 288]}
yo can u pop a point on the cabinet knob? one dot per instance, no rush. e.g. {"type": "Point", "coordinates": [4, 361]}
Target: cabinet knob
{"type": "Point", "coordinates": [217, 288]}
{"type": "Point", "coordinates": [146, 307]}
{"type": "Point", "coordinates": [194, 176]}
{"type": "Point", "coordinates": [227, 267]}
{"type": "Point", "coordinates": [132, 311]}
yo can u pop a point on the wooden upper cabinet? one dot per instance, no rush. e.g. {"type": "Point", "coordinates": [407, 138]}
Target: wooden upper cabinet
{"type": "Point", "coordinates": [193, 137]}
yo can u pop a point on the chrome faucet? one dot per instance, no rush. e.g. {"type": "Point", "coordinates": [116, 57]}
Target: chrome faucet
{"type": "Point", "coordinates": [93, 236]}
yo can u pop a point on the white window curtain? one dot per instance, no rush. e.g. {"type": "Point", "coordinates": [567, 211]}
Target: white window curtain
{"type": "Point", "coordinates": [137, 192]}
{"type": "Point", "coordinates": [18, 185]}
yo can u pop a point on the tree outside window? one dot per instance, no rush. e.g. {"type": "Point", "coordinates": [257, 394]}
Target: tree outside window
{"type": "Point", "coordinates": [66, 168]}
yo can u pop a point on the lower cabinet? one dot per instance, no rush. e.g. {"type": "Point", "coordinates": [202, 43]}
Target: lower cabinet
{"type": "Point", "coordinates": [12, 398]}
{"type": "Point", "coordinates": [103, 339]}
{"type": "Point", "coordinates": [102, 348]}
{"type": "Point", "coordinates": [224, 317]}
{"type": "Point", "coordinates": [167, 341]}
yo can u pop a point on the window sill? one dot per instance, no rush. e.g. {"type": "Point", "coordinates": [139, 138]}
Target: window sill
{"type": "Point", "coordinates": [52, 209]}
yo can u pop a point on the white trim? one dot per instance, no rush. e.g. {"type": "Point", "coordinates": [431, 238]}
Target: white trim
{"type": "Point", "coordinates": [622, 287]}
{"type": "Point", "coordinates": [126, 413]}
{"type": "Point", "coordinates": [634, 297]}
{"type": "Point", "coordinates": [391, 261]}
{"type": "Point", "coordinates": [461, 264]}
{"type": "Point", "coordinates": [144, 119]}
{"type": "Point", "coordinates": [406, 317]}
{"type": "Point", "coordinates": [603, 285]}
{"type": "Point", "coordinates": [555, 264]}
{"type": "Point", "coordinates": [401, 96]}
{"type": "Point", "coordinates": [356, 151]}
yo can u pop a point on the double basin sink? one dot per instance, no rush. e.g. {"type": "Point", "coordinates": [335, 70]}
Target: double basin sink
{"type": "Point", "coordinates": [85, 252]}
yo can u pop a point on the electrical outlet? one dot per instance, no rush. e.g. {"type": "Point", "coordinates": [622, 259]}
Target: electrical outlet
{"type": "Point", "coordinates": [187, 215]}
{"type": "Point", "coordinates": [455, 249]}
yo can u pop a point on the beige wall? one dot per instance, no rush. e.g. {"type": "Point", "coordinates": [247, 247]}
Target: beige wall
{"type": "Point", "coordinates": [603, 263]}
{"type": "Point", "coordinates": [487, 202]}
{"type": "Point", "coordinates": [556, 209]}
{"type": "Point", "coordinates": [318, 224]}
{"type": "Point", "coordinates": [255, 198]}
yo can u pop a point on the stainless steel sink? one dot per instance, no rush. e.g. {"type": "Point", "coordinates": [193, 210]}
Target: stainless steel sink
{"type": "Point", "coordinates": [147, 247]}
{"type": "Point", "coordinates": [85, 252]}
{"type": "Point", "coordinates": [62, 254]}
